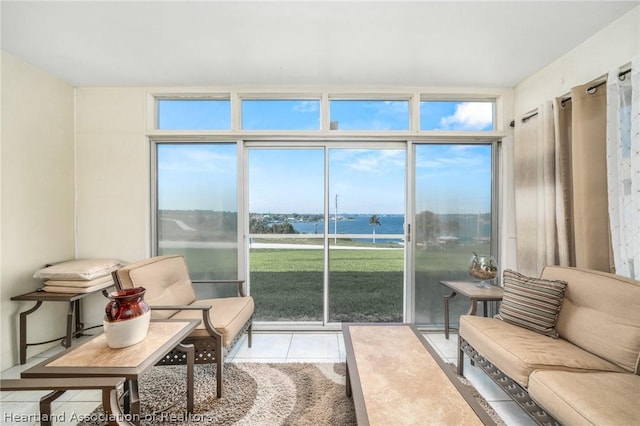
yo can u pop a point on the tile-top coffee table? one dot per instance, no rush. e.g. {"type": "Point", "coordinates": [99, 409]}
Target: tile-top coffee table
{"type": "Point", "coordinates": [94, 358]}
{"type": "Point", "coordinates": [397, 378]}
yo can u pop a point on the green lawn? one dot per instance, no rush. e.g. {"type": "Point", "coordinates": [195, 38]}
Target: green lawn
{"type": "Point", "coordinates": [364, 285]}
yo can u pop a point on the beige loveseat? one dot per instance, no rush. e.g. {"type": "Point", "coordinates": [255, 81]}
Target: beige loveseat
{"type": "Point", "coordinates": [170, 294]}
{"type": "Point", "coordinates": [590, 374]}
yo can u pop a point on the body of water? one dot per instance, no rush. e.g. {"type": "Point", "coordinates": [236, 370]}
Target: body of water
{"type": "Point", "coordinates": [467, 227]}
{"type": "Point", "coordinates": [356, 224]}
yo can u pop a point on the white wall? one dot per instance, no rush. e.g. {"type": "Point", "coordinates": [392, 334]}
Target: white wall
{"type": "Point", "coordinates": [613, 46]}
{"type": "Point", "coordinates": [37, 196]}
{"type": "Point", "coordinates": [112, 174]}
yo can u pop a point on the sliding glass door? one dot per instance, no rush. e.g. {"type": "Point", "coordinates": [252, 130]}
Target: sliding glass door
{"type": "Point", "coordinates": [196, 207]}
{"type": "Point", "coordinates": [366, 233]}
{"type": "Point", "coordinates": [453, 220]}
{"type": "Point", "coordinates": [286, 233]}
{"type": "Point", "coordinates": [326, 233]}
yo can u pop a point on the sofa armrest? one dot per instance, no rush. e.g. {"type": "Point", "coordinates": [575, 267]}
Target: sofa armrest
{"type": "Point", "coordinates": [206, 317]}
{"type": "Point", "coordinates": [181, 307]}
{"type": "Point", "coordinates": [240, 284]}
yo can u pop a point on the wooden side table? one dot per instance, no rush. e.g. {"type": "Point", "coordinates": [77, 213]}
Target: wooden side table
{"type": "Point", "coordinates": [474, 293]}
{"type": "Point", "coordinates": [74, 327]}
{"type": "Point", "coordinates": [94, 358]}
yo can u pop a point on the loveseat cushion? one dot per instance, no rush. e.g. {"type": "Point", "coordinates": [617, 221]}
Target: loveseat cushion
{"type": "Point", "coordinates": [518, 351]}
{"type": "Point", "coordinates": [166, 279]}
{"type": "Point", "coordinates": [587, 398]}
{"type": "Point", "coordinates": [228, 316]}
{"type": "Point", "coordinates": [600, 313]}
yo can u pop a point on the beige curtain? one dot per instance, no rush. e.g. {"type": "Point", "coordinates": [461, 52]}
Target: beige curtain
{"type": "Point", "coordinates": [535, 191]}
{"type": "Point", "coordinates": [592, 236]}
{"type": "Point", "coordinates": [560, 181]}
{"type": "Point", "coordinates": [564, 200]}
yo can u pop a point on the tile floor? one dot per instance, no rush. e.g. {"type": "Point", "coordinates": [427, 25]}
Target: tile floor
{"type": "Point", "coordinates": [267, 347]}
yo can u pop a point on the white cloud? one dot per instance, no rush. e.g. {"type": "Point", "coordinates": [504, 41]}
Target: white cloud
{"type": "Point", "coordinates": [376, 161]}
{"type": "Point", "coordinates": [196, 160]}
{"type": "Point", "coordinates": [469, 116]}
{"type": "Point", "coordinates": [306, 106]}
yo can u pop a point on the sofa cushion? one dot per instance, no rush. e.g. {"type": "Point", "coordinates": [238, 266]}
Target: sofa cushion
{"type": "Point", "coordinates": [166, 279]}
{"type": "Point", "coordinates": [228, 316]}
{"type": "Point", "coordinates": [532, 303]}
{"type": "Point", "coordinates": [601, 314]}
{"type": "Point", "coordinates": [518, 351]}
{"type": "Point", "coordinates": [587, 398]}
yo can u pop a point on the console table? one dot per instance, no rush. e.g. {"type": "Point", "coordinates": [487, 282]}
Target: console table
{"type": "Point", "coordinates": [74, 325]}
{"type": "Point", "coordinates": [474, 293]}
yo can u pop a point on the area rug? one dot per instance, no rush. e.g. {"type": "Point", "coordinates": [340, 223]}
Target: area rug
{"type": "Point", "coordinates": [255, 394]}
{"type": "Point", "coordinates": [295, 394]}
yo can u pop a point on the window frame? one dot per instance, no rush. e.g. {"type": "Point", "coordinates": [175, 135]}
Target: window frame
{"type": "Point", "coordinates": [348, 138]}
{"type": "Point", "coordinates": [499, 97]}
{"type": "Point", "coordinates": [189, 97]}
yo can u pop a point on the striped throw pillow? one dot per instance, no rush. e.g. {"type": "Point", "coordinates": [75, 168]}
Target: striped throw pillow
{"type": "Point", "coordinates": [532, 303]}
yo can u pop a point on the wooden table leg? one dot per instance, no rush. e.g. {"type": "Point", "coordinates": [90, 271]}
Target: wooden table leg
{"type": "Point", "coordinates": [190, 351]}
{"type": "Point", "coordinates": [108, 405]}
{"type": "Point", "coordinates": [134, 401]}
{"type": "Point", "coordinates": [23, 331]}
{"type": "Point", "coordinates": [446, 313]}
{"type": "Point", "coordinates": [348, 382]}
{"type": "Point", "coordinates": [126, 398]}
{"type": "Point", "coordinates": [66, 342]}
{"type": "Point", "coordinates": [45, 406]}
{"type": "Point", "coordinates": [79, 325]}
{"type": "Point", "coordinates": [473, 308]}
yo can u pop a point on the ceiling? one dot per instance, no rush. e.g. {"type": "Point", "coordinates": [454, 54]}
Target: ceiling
{"type": "Point", "coordinates": [319, 43]}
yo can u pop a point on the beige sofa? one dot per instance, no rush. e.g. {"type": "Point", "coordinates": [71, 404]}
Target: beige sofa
{"type": "Point", "coordinates": [590, 374]}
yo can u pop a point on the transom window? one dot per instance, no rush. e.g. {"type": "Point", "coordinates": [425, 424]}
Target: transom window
{"type": "Point", "coordinates": [281, 114]}
{"type": "Point", "coordinates": [353, 114]}
{"type": "Point", "coordinates": [193, 114]}
{"type": "Point", "coordinates": [385, 114]}
{"type": "Point", "coordinates": [457, 115]}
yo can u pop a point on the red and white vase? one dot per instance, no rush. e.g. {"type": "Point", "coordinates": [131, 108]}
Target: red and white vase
{"type": "Point", "coordinates": [127, 316]}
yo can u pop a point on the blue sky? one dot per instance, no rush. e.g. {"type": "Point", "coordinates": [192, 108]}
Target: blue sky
{"type": "Point", "coordinates": [449, 178]}
{"type": "Point", "coordinates": [284, 114]}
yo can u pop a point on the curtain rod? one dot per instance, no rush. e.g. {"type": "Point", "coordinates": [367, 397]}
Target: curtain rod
{"type": "Point", "coordinates": [567, 98]}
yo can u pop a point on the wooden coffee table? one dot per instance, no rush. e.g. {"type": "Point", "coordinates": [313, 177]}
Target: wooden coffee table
{"type": "Point", "coordinates": [94, 358]}
{"type": "Point", "coordinates": [397, 378]}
